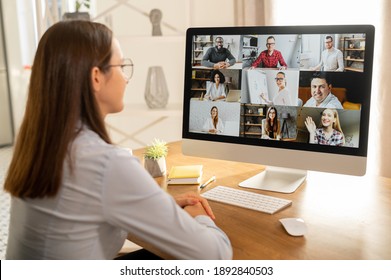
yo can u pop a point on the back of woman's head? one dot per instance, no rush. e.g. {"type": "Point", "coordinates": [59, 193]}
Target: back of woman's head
{"type": "Point", "coordinates": [60, 80]}
{"type": "Point", "coordinates": [60, 97]}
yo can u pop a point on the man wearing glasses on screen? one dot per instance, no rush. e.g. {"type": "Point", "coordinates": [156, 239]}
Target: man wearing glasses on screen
{"type": "Point", "coordinates": [270, 58]}
{"type": "Point", "coordinates": [331, 59]}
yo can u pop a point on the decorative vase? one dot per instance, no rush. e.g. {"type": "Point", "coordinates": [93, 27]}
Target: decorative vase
{"type": "Point", "coordinates": [156, 168]}
{"type": "Point", "coordinates": [156, 92]}
{"type": "Point", "coordinates": [76, 16]}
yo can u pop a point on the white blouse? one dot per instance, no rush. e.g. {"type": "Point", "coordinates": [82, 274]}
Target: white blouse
{"type": "Point", "coordinates": [108, 195]}
{"type": "Point", "coordinates": [208, 125]}
{"type": "Point", "coordinates": [214, 92]}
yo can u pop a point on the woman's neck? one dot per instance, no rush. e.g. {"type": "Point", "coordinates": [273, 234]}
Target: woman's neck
{"type": "Point", "coordinates": [328, 129]}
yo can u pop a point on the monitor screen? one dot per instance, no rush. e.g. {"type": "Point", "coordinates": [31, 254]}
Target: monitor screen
{"type": "Point", "coordinates": [284, 96]}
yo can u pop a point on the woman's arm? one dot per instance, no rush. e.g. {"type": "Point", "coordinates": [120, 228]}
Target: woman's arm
{"type": "Point", "coordinates": [208, 91]}
{"type": "Point", "coordinates": [311, 127]}
{"type": "Point", "coordinates": [208, 126]}
{"type": "Point", "coordinates": [134, 202]}
{"type": "Point", "coordinates": [264, 135]}
{"type": "Point", "coordinates": [192, 199]}
{"type": "Point", "coordinates": [278, 132]}
{"type": "Point", "coordinates": [220, 126]}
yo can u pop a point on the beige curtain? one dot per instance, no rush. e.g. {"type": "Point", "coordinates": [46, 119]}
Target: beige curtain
{"type": "Point", "coordinates": [382, 117]}
{"type": "Point", "coordinates": [252, 12]}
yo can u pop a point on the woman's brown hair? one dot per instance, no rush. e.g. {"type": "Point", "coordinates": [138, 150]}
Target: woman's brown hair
{"type": "Point", "coordinates": [276, 125]}
{"type": "Point", "coordinates": [60, 99]}
{"type": "Point", "coordinates": [216, 118]}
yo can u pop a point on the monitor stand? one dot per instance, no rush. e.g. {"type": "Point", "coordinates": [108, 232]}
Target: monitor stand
{"type": "Point", "coordinates": [276, 179]}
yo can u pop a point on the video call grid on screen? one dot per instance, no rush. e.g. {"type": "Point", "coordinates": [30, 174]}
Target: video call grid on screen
{"type": "Point", "coordinates": [338, 56]}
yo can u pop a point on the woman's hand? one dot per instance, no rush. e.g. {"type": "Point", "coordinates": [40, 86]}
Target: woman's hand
{"type": "Point", "coordinates": [192, 199]}
{"type": "Point", "coordinates": [311, 127]}
{"type": "Point", "coordinates": [309, 123]}
{"type": "Point", "coordinates": [195, 210]}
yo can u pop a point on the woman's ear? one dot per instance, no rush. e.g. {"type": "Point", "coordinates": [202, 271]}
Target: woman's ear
{"type": "Point", "coordinates": [96, 79]}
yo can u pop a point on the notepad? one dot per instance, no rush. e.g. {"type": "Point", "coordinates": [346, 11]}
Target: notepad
{"type": "Point", "coordinates": [185, 174]}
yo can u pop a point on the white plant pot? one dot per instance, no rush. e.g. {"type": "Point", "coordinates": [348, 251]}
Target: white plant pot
{"type": "Point", "coordinates": [156, 168]}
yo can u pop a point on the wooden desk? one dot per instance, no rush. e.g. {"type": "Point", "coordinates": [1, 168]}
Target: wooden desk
{"type": "Point", "coordinates": [347, 217]}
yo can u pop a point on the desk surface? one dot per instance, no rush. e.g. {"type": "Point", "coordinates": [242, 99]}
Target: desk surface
{"type": "Point", "coordinates": [347, 217]}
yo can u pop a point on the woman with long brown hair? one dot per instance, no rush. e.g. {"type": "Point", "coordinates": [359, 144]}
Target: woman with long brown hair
{"type": "Point", "coordinates": [271, 127]}
{"type": "Point", "coordinates": [214, 124]}
{"type": "Point", "coordinates": [75, 195]}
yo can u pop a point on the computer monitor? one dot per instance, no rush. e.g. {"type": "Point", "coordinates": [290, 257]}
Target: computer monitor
{"type": "Point", "coordinates": [304, 101]}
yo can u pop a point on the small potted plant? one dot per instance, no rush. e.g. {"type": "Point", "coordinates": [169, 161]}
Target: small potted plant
{"type": "Point", "coordinates": [77, 14]}
{"type": "Point", "coordinates": [155, 158]}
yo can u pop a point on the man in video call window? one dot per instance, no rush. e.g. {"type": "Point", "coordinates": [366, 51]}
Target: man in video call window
{"type": "Point", "coordinates": [216, 56]}
{"type": "Point", "coordinates": [321, 93]}
{"type": "Point", "coordinates": [270, 58]}
{"type": "Point", "coordinates": [331, 59]}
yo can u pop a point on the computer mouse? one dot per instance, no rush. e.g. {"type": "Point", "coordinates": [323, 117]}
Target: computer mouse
{"type": "Point", "coordinates": [294, 226]}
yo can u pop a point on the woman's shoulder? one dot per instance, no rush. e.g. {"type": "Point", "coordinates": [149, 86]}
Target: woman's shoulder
{"type": "Point", "coordinates": [88, 144]}
{"type": "Point", "coordinates": [337, 132]}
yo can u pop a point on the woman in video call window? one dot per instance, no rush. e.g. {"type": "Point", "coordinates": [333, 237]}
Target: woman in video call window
{"type": "Point", "coordinates": [271, 128]}
{"type": "Point", "coordinates": [329, 131]}
{"type": "Point", "coordinates": [214, 124]}
{"type": "Point", "coordinates": [216, 89]}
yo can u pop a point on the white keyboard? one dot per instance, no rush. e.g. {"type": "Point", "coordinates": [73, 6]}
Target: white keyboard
{"type": "Point", "coordinates": [246, 199]}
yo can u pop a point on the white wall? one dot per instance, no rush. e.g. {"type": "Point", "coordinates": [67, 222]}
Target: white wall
{"type": "Point", "coordinates": [130, 23]}
{"type": "Point", "coordinates": [20, 44]}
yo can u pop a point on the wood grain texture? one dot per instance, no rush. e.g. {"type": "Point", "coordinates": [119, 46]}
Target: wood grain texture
{"type": "Point", "coordinates": [348, 217]}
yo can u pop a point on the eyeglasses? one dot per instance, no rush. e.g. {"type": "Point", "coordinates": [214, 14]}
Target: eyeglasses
{"type": "Point", "coordinates": [219, 42]}
{"type": "Point", "coordinates": [270, 44]}
{"type": "Point", "coordinates": [126, 67]}
{"type": "Point", "coordinates": [279, 79]}
{"type": "Point", "coordinates": [328, 42]}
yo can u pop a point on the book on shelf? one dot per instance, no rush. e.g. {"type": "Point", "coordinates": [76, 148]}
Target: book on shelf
{"type": "Point", "coordinates": [185, 174]}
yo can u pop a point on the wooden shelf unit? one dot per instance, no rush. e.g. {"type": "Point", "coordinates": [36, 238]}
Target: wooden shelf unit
{"type": "Point", "coordinates": [198, 80]}
{"type": "Point", "coordinates": [249, 49]}
{"type": "Point", "coordinates": [251, 119]}
{"type": "Point", "coordinates": [353, 53]}
{"type": "Point", "coordinates": [199, 43]}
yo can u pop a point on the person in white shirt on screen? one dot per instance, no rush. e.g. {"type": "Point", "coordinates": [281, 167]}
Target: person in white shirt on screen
{"type": "Point", "coordinates": [283, 96]}
{"type": "Point", "coordinates": [75, 195]}
{"type": "Point", "coordinates": [216, 89]}
{"type": "Point", "coordinates": [321, 93]}
{"type": "Point", "coordinates": [331, 58]}
{"type": "Point", "coordinates": [214, 124]}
